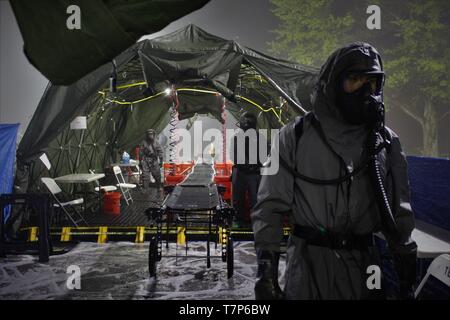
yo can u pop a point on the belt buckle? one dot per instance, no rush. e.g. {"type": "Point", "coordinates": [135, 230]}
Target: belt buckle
{"type": "Point", "coordinates": [341, 242]}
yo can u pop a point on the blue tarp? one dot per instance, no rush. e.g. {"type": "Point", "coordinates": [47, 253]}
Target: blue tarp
{"type": "Point", "coordinates": [8, 136]}
{"type": "Point", "coordinates": [430, 189]}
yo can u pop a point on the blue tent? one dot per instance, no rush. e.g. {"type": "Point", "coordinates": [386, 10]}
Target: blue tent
{"type": "Point", "coordinates": [430, 189]}
{"type": "Point", "coordinates": [8, 136]}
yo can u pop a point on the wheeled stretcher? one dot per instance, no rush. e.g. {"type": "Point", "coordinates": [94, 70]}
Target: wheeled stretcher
{"type": "Point", "coordinates": [195, 202]}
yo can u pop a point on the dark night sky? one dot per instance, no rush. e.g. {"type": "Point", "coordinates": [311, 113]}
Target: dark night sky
{"type": "Point", "coordinates": [249, 22]}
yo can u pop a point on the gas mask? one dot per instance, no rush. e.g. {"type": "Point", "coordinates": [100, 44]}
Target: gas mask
{"type": "Point", "coordinates": [151, 135]}
{"type": "Point", "coordinates": [362, 106]}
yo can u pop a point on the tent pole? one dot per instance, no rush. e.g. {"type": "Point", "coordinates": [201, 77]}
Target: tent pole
{"type": "Point", "coordinates": [283, 93]}
{"type": "Point", "coordinates": [79, 152]}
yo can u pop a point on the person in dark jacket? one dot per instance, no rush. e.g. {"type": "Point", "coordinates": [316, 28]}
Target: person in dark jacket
{"type": "Point", "coordinates": [342, 177]}
{"type": "Point", "coordinates": [247, 166]}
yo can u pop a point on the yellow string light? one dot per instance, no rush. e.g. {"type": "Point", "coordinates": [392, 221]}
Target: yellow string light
{"type": "Point", "coordinates": [262, 109]}
{"type": "Point", "coordinates": [103, 93]}
{"type": "Point", "coordinates": [129, 102]}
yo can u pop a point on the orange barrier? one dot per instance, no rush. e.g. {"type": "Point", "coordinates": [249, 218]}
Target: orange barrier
{"type": "Point", "coordinates": [174, 179]}
{"type": "Point", "coordinates": [223, 178]}
{"type": "Point", "coordinates": [175, 173]}
{"type": "Point", "coordinates": [223, 169]}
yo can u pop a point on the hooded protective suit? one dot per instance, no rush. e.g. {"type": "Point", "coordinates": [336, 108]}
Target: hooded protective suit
{"type": "Point", "coordinates": [151, 159]}
{"type": "Point", "coordinates": [328, 148]}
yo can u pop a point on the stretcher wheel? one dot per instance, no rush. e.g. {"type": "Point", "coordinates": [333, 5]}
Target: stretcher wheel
{"type": "Point", "coordinates": [152, 257]}
{"type": "Point", "coordinates": [230, 258]}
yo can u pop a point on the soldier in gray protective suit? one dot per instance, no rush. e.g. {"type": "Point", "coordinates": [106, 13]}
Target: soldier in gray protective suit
{"type": "Point", "coordinates": [331, 163]}
{"type": "Point", "coordinates": [151, 155]}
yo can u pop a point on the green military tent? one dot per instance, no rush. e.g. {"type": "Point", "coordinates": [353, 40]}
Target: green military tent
{"type": "Point", "coordinates": [119, 99]}
{"type": "Point", "coordinates": [67, 39]}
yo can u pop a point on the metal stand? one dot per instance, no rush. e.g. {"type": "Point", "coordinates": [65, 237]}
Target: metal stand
{"type": "Point", "coordinates": [39, 203]}
{"type": "Point", "coordinates": [219, 218]}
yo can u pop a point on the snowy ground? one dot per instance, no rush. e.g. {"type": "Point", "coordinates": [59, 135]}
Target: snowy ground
{"type": "Point", "coordinates": [119, 271]}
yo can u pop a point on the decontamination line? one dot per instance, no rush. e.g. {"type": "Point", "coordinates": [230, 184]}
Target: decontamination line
{"type": "Point", "coordinates": [106, 233]}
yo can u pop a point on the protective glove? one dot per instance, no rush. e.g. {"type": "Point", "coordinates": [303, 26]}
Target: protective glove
{"type": "Point", "coordinates": [266, 286]}
{"type": "Point", "coordinates": [405, 262]}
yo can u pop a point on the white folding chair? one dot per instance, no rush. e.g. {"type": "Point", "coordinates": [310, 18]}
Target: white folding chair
{"type": "Point", "coordinates": [440, 269]}
{"type": "Point", "coordinates": [100, 188]}
{"type": "Point", "coordinates": [123, 186]}
{"type": "Point", "coordinates": [68, 207]}
{"type": "Point", "coordinates": [134, 175]}
{"type": "Point", "coordinates": [138, 172]}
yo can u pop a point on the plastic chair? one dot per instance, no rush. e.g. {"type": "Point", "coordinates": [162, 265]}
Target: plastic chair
{"type": "Point", "coordinates": [100, 188]}
{"type": "Point", "coordinates": [135, 175]}
{"type": "Point", "coordinates": [440, 269]}
{"type": "Point", "coordinates": [68, 207]}
{"type": "Point", "coordinates": [123, 186]}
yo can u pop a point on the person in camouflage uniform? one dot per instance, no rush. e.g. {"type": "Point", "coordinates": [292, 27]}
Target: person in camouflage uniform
{"type": "Point", "coordinates": [151, 155]}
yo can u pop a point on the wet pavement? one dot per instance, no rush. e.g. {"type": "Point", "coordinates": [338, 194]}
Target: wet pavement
{"type": "Point", "coordinates": [119, 270]}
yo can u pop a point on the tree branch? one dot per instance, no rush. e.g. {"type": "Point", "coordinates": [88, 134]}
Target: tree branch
{"type": "Point", "coordinates": [413, 115]}
{"type": "Point", "coordinates": [444, 115]}
{"type": "Point", "coordinates": [391, 13]}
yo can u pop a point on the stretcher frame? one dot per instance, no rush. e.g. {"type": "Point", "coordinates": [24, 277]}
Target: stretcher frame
{"type": "Point", "coordinates": [218, 219]}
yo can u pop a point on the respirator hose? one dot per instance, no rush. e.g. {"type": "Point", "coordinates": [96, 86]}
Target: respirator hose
{"type": "Point", "coordinates": [386, 215]}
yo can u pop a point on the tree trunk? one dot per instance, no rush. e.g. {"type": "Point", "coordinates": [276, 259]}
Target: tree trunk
{"type": "Point", "coordinates": [430, 131]}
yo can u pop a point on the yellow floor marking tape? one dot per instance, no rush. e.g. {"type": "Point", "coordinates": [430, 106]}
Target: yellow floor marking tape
{"type": "Point", "coordinates": [65, 234]}
{"type": "Point", "coordinates": [33, 236]}
{"type": "Point", "coordinates": [140, 235]}
{"type": "Point", "coordinates": [102, 235]}
{"type": "Point", "coordinates": [181, 236]}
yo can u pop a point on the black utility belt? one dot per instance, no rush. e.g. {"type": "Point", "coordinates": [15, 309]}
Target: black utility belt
{"type": "Point", "coordinates": [326, 239]}
{"type": "Point", "coordinates": [250, 168]}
